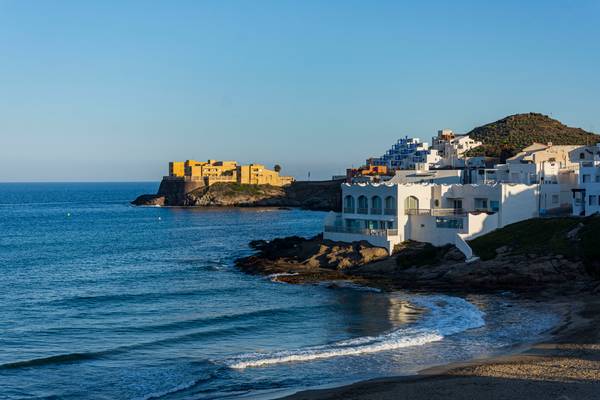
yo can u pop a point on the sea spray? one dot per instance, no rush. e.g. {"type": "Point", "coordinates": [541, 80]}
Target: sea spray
{"type": "Point", "coordinates": [445, 316]}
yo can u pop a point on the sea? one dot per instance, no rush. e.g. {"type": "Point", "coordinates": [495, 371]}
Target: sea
{"type": "Point", "coordinates": [103, 300]}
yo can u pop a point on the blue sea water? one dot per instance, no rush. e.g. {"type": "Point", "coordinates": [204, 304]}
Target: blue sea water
{"type": "Point", "coordinates": [103, 300]}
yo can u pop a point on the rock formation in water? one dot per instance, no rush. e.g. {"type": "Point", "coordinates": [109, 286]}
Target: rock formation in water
{"type": "Point", "coordinates": [549, 253]}
{"type": "Point", "coordinates": [312, 195]}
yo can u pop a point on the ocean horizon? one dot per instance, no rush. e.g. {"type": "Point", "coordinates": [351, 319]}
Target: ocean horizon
{"type": "Point", "coordinates": [102, 299]}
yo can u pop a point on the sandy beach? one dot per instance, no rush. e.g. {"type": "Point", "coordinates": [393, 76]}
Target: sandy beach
{"type": "Point", "coordinates": [565, 367]}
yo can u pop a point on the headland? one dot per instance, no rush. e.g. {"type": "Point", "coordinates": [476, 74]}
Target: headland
{"type": "Point", "coordinates": [227, 184]}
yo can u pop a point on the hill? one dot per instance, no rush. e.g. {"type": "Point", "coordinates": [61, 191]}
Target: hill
{"type": "Point", "coordinates": [507, 136]}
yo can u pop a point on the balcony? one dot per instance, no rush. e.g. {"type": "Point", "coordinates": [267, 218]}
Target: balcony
{"type": "Point", "coordinates": [436, 212]}
{"type": "Point", "coordinates": [362, 231]}
{"type": "Point", "coordinates": [348, 210]}
{"type": "Point", "coordinates": [376, 211]}
{"type": "Point", "coordinates": [390, 211]}
{"type": "Point", "coordinates": [416, 211]}
{"type": "Point", "coordinates": [362, 210]}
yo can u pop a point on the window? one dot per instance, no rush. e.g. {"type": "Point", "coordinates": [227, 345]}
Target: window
{"type": "Point", "coordinates": [495, 205]}
{"type": "Point", "coordinates": [593, 200]}
{"type": "Point", "coordinates": [457, 204]}
{"type": "Point", "coordinates": [390, 203]}
{"type": "Point", "coordinates": [597, 178]}
{"type": "Point", "coordinates": [582, 156]}
{"type": "Point", "coordinates": [449, 223]}
{"type": "Point", "coordinates": [363, 205]}
{"type": "Point", "coordinates": [481, 203]}
{"type": "Point", "coordinates": [436, 203]}
{"type": "Point", "coordinates": [586, 178]}
{"type": "Point", "coordinates": [352, 224]}
{"type": "Point", "coordinates": [555, 199]}
{"type": "Point", "coordinates": [349, 204]}
{"type": "Point", "coordinates": [376, 205]}
{"type": "Point", "coordinates": [411, 203]}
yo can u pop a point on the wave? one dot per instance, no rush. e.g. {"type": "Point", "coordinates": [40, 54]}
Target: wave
{"type": "Point", "coordinates": [118, 298]}
{"type": "Point", "coordinates": [275, 277]}
{"type": "Point", "coordinates": [177, 326]}
{"type": "Point", "coordinates": [446, 316]}
{"type": "Point", "coordinates": [56, 359]}
{"type": "Point", "coordinates": [210, 375]}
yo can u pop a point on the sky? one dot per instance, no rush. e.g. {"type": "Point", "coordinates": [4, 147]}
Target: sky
{"type": "Point", "coordinates": [113, 90]}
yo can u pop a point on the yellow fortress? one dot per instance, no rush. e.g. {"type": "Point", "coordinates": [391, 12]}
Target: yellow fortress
{"type": "Point", "coordinates": [213, 171]}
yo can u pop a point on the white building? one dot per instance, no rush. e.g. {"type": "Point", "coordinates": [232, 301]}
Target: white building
{"type": "Point", "coordinates": [554, 168]}
{"type": "Point", "coordinates": [453, 148]}
{"type": "Point", "coordinates": [586, 197]}
{"type": "Point", "coordinates": [405, 154]}
{"type": "Point", "coordinates": [448, 151]}
{"type": "Point", "coordinates": [422, 174]}
{"type": "Point", "coordinates": [387, 214]}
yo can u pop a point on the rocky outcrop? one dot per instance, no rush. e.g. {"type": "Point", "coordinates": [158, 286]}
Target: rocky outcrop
{"type": "Point", "coordinates": [413, 266]}
{"type": "Point", "coordinates": [294, 254]}
{"type": "Point", "coordinates": [514, 272]}
{"type": "Point", "coordinates": [312, 195]}
{"type": "Point", "coordinates": [231, 195]}
{"type": "Point", "coordinates": [149, 200]}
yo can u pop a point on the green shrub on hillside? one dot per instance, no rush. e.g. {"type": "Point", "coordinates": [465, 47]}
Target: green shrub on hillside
{"type": "Point", "coordinates": [533, 236]}
{"type": "Point", "coordinates": [506, 137]}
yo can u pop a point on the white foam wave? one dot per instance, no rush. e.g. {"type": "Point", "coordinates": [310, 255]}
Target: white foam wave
{"type": "Point", "coordinates": [275, 277]}
{"type": "Point", "coordinates": [445, 316]}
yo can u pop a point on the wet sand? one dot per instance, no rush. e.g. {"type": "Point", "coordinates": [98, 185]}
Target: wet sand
{"type": "Point", "coordinates": [566, 367]}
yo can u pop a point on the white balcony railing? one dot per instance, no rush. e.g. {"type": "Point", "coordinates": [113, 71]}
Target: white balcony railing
{"type": "Point", "coordinates": [362, 231]}
{"type": "Point", "coordinates": [436, 212]}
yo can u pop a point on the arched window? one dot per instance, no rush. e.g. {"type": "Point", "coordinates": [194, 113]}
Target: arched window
{"type": "Point", "coordinates": [411, 203]}
{"type": "Point", "coordinates": [363, 205]}
{"type": "Point", "coordinates": [349, 204]}
{"type": "Point", "coordinates": [376, 205]}
{"type": "Point", "coordinates": [390, 203]}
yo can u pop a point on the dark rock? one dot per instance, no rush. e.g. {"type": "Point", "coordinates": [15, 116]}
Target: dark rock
{"type": "Point", "coordinates": [502, 249]}
{"type": "Point", "coordinates": [413, 265]}
{"type": "Point", "coordinates": [149, 200]}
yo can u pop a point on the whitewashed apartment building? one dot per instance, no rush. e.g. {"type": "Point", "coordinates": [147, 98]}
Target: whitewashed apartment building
{"type": "Point", "coordinates": [586, 197]}
{"type": "Point", "coordinates": [387, 214]}
{"type": "Point", "coordinates": [452, 148]}
{"type": "Point", "coordinates": [406, 153]}
{"type": "Point", "coordinates": [556, 168]}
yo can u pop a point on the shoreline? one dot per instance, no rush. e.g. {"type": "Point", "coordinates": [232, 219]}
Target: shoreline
{"type": "Point", "coordinates": [566, 363]}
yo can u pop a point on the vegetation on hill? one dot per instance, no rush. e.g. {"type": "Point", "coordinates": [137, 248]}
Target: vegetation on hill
{"type": "Point", "coordinates": [571, 237]}
{"type": "Point", "coordinates": [506, 137]}
{"type": "Point", "coordinates": [236, 189]}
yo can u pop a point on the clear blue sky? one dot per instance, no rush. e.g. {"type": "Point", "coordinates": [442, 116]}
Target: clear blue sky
{"type": "Point", "coordinates": [113, 90]}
